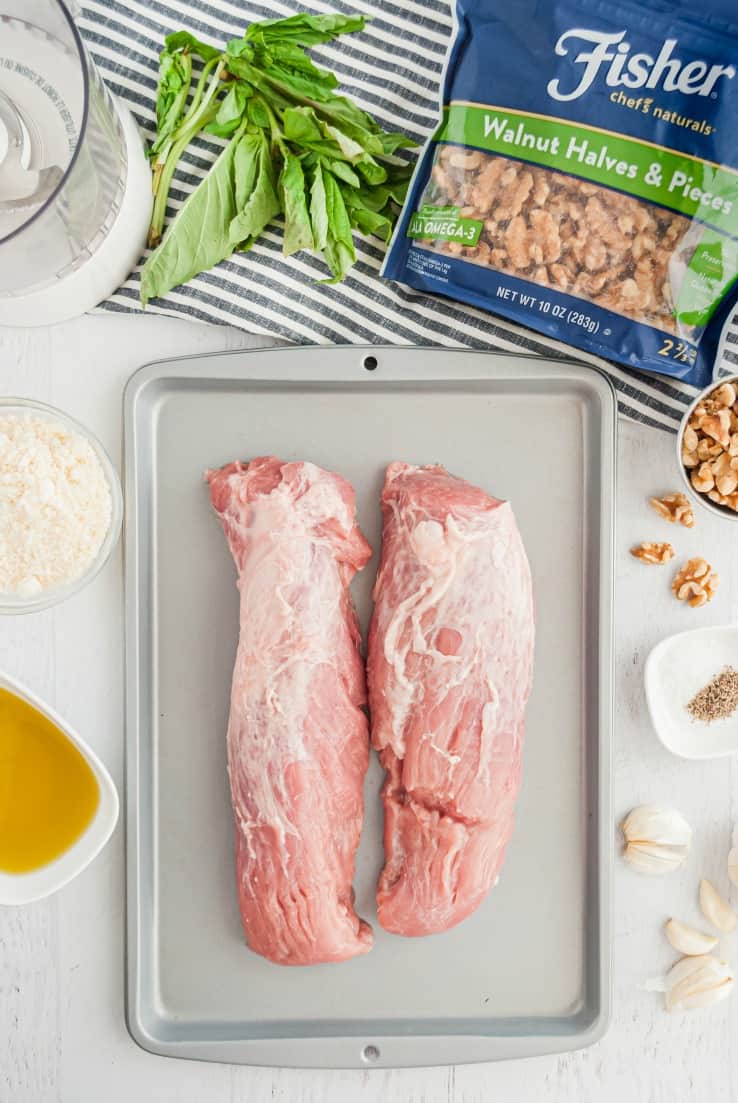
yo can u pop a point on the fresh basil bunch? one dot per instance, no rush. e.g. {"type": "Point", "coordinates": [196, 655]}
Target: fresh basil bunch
{"type": "Point", "coordinates": [295, 148]}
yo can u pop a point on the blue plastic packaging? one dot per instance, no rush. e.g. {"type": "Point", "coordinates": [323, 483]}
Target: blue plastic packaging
{"type": "Point", "coordinates": [583, 180]}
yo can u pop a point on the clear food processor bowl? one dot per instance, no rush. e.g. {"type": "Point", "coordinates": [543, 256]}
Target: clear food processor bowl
{"type": "Point", "coordinates": [75, 188]}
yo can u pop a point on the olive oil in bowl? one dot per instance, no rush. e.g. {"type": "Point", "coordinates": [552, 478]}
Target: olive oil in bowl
{"type": "Point", "coordinates": [58, 803]}
{"type": "Point", "coordinates": [48, 792]}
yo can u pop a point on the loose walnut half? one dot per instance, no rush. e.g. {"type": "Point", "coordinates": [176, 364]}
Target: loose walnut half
{"type": "Point", "coordinates": [695, 583]}
{"type": "Point", "coordinates": [653, 553]}
{"type": "Point", "coordinates": [675, 508]}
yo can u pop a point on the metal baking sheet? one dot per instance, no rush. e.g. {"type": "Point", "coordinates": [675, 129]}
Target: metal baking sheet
{"type": "Point", "coordinates": [529, 972]}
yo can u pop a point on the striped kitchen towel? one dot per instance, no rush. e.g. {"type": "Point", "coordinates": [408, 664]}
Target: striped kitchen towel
{"type": "Point", "coordinates": [392, 69]}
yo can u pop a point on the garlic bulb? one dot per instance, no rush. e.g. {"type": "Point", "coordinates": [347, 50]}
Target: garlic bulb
{"type": "Point", "coordinates": [698, 982]}
{"type": "Point", "coordinates": [717, 910]}
{"type": "Point", "coordinates": [688, 940]}
{"type": "Point", "coordinates": [656, 839]}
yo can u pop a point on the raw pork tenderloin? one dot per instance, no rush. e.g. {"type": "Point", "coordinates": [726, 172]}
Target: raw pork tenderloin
{"type": "Point", "coordinates": [450, 666]}
{"type": "Point", "coordinates": [298, 744]}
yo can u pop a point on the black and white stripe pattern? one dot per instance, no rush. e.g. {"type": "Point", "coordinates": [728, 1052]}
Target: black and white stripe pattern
{"type": "Point", "coordinates": [393, 69]}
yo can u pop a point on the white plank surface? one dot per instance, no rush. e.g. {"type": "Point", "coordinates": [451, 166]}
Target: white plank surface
{"type": "Point", "coordinates": [62, 1030]}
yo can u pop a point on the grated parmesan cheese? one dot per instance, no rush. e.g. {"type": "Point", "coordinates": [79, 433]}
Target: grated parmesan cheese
{"type": "Point", "coordinates": [55, 505]}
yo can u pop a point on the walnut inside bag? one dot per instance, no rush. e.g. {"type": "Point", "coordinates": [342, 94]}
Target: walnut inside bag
{"type": "Point", "coordinates": [561, 232]}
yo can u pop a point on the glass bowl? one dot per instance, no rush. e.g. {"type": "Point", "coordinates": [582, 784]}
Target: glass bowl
{"type": "Point", "coordinates": [17, 603]}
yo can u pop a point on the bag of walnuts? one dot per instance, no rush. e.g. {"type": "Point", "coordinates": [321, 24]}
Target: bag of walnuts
{"type": "Point", "coordinates": [583, 180]}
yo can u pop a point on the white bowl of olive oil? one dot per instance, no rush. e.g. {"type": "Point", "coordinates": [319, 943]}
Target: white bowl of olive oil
{"type": "Point", "coordinates": [58, 803]}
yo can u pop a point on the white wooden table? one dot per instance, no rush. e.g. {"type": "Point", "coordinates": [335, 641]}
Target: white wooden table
{"type": "Point", "coordinates": [62, 1031]}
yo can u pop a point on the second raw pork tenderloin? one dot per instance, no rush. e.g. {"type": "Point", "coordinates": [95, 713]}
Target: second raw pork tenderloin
{"type": "Point", "coordinates": [449, 669]}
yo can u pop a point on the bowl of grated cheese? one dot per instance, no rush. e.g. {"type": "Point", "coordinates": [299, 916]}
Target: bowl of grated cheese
{"type": "Point", "coordinates": [61, 506]}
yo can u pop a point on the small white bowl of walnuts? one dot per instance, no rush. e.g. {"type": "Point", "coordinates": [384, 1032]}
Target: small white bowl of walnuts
{"type": "Point", "coordinates": [707, 447]}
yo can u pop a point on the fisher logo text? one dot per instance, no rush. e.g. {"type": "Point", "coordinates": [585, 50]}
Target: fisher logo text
{"type": "Point", "coordinates": [595, 52]}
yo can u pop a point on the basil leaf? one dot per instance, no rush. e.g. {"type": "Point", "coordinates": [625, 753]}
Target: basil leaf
{"type": "Point", "coordinates": [300, 125]}
{"type": "Point", "coordinates": [258, 203]}
{"type": "Point", "coordinates": [339, 224]}
{"type": "Point", "coordinates": [376, 197]}
{"type": "Point", "coordinates": [292, 85]}
{"type": "Point", "coordinates": [183, 40]}
{"type": "Point", "coordinates": [239, 47]}
{"type": "Point", "coordinates": [175, 74]}
{"type": "Point", "coordinates": [372, 172]}
{"type": "Point", "coordinates": [399, 191]}
{"type": "Point", "coordinates": [241, 67]}
{"type": "Point", "coordinates": [344, 172]}
{"type": "Point", "coordinates": [340, 259]}
{"type": "Point", "coordinates": [355, 153]}
{"type": "Point", "coordinates": [352, 121]}
{"type": "Point", "coordinates": [371, 199]}
{"type": "Point", "coordinates": [298, 85]}
{"type": "Point", "coordinates": [319, 207]}
{"type": "Point", "coordinates": [398, 184]}
{"type": "Point", "coordinates": [231, 110]}
{"type": "Point", "coordinates": [351, 150]}
{"type": "Point", "coordinates": [394, 140]}
{"type": "Point", "coordinates": [286, 56]}
{"type": "Point", "coordinates": [245, 169]}
{"type": "Point", "coordinates": [258, 113]}
{"type": "Point", "coordinates": [298, 233]}
{"type": "Point", "coordinates": [306, 30]}
{"type": "Point", "coordinates": [339, 247]}
{"type": "Point", "coordinates": [371, 222]}
{"type": "Point", "coordinates": [200, 235]}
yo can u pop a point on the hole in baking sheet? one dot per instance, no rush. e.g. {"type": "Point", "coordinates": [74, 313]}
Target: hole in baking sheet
{"type": "Point", "coordinates": [370, 363]}
{"type": "Point", "coordinates": [370, 1054]}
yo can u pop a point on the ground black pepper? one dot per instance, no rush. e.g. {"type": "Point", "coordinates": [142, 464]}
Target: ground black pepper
{"type": "Point", "coordinates": [718, 699]}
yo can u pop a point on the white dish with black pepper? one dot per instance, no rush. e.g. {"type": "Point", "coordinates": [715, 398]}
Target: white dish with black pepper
{"type": "Point", "coordinates": [677, 670]}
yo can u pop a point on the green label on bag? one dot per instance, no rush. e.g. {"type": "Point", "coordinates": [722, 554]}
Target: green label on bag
{"type": "Point", "coordinates": [444, 224]}
{"type": "Point", "coordinates": [709, 274]}
{"type": "Point", "coordinates": [695, 188]}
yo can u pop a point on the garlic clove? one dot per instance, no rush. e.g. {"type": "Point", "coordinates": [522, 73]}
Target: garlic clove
{"type": "Point", "coordinates": [653, 858]}
{"type": "Point", "coordinates": [717, 910]}
{"type": "Point", "coordinates": [688, 940]}
{"type": "Point", "coordinates": [656, 839]}
{"type": "Point", "coordinates": [696, 982]}
{"type": "Point", "coordinates": [657, 824]}
{"type": "Point", "coordinates": [733, 865]}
